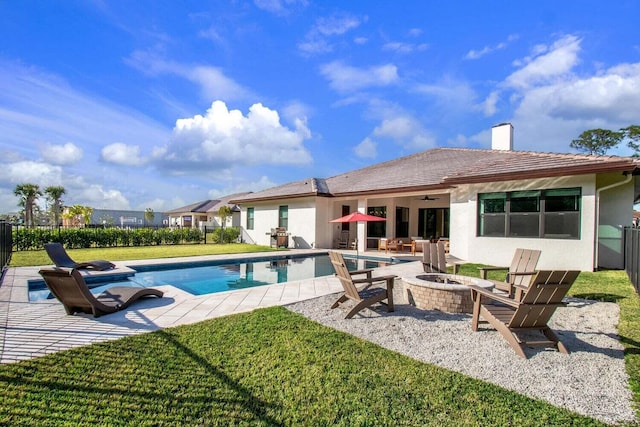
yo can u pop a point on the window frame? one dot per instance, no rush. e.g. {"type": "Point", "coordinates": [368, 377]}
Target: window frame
{"type": "Point", "coordinates": [283, 220]}
{"type": "Point", "coordinates": [250, 218]}
{"type": "Point", "coordinates": [520, 221]}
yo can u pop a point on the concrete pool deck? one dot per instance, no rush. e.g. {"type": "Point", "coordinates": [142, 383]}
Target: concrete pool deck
{"type": "Point", "coordinates": [33, 329]}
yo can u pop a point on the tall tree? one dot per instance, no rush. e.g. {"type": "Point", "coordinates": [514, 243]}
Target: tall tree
{"type": "Point", "coordinates": [597, 141]}
{"type": "Point", "coordinates": [149, 215]}
{"type": "Point", "coordinates": [632, 133]}
{"type": "Point", "coordinates": [28, 194]}
{"type": "Point", "coordinates": [54, 195]}
{"type": "Point", "coordinates": [223, 213]}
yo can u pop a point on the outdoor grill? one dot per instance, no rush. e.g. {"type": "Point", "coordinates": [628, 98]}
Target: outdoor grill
{"type": "Point", "coordinates": [279, 237]}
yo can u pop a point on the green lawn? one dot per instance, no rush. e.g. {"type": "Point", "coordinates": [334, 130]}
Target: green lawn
{"type": "Point", "coordinates": [27, 258]}
{"type": "Point", "coordinates": [267, 367]}
{"type": "Point", "coordinates": [273, 367]}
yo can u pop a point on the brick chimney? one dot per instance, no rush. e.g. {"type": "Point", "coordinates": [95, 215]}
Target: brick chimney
{"type": "Point", "coordinates": [502, 137]}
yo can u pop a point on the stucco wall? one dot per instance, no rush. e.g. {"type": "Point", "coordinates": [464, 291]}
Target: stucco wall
{"type": "Point", "coordinates": [302, 221]}
{"type": "Point", "coordinates": [556, 253]}
{"type": "Point", "coordinates": [616, 212]}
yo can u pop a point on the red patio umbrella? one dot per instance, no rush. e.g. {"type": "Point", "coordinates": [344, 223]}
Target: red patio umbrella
{"type": "Point", "coordinates": [358, 217]}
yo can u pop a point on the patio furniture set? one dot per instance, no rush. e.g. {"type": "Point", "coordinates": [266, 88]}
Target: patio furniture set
{"type": "Point", "coordinates": [413, 244]}
{"type": "Point", "coordinates": [521, 304]}
{"type": "Point", "coordinates": [524, 302]}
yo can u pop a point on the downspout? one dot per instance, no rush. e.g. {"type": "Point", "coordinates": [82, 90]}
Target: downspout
{"type": "Point", "coordinates": [628, 178]}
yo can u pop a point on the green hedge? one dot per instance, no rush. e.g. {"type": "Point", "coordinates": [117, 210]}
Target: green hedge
{"type": "Point", "coordinates": [230, 235]}
{"type": "Point", "coordinates": [25, 239]}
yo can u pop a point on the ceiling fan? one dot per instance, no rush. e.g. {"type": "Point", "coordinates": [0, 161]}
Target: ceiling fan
{"type": "Point", "coordinates": [427, 197]}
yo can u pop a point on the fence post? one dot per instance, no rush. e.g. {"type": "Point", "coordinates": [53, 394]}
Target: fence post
{"type": "Point", "coordinates": [6, 245]}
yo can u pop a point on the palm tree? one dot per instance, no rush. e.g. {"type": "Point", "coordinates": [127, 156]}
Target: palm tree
{"type": "Point", "coordinates": [28, 194]}
{"type": "Point", "coordinates": [54, 195]}
{"type": "Point", "coordinates": [149, 215]}
{"type": "Point", "coordinates": [78, 214]}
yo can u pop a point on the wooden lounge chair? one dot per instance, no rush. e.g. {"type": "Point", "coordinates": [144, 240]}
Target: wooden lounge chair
{"type": "Point", "coordinates": [510, 316]}
{"type": "Point", "coordinates": [61, 259]}
{"type": "Point", "coordinates": [366, 296]}
{"type": "Point", "coordinates": [523, 267]}
{"type": "Point", "coordinates": [433, 258]}
{"type": "Point", "coordinates": [69, 287]}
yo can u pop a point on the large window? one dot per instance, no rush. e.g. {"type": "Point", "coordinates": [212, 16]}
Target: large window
{"type": "Point", "coordinates": [250, 213]}
{"type": "Point", "coordinates": [283, 216]}
{"type": "Point", "coordinates": [551, 214]}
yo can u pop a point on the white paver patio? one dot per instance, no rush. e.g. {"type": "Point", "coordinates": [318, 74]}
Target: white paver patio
{"type": "Point", "coordinates": [33, 329]}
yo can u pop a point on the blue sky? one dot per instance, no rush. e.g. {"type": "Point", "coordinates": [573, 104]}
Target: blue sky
{"type": "Point", "coordinates": [158, 104]}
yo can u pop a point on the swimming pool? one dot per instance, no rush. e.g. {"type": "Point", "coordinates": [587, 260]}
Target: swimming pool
{"type": "Point", "coordinates": [206, 277]}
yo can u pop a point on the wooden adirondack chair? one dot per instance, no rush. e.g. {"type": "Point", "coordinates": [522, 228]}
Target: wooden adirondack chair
{"type": "Point", "coordinates": [523, 267]}
{"type": "Point", "coordinates": [433, 258]}
{"type": "Point", "coordinates": [366, 296]}
{"type": "Point", "coordinates": [544, 295]}
{"type": "Point", "coordinates": [343, 241]}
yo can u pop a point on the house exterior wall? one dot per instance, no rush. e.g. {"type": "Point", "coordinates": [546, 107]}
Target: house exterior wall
{"type": "Point", "coordinates": [556, 253]}
{"type": "Point", "coordinates": [616, 212]}
{"type": "Point", "coordinates": [302, 221]}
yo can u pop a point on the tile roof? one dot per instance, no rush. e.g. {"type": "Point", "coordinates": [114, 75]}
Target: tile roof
{"type": "Point", "coordinates": [208, 205]}
{"type": "Point", "coordinates": [444, 168]}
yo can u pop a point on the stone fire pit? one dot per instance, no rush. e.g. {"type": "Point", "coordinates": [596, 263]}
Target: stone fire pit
{"type": "Point", "coordinates": [444, 292]}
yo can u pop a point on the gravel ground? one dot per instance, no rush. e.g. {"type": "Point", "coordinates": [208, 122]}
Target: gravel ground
{"type": "Point", "coordinates": [591, 380]}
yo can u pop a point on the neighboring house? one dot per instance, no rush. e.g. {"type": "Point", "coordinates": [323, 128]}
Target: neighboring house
{"type": "Point", "coordinates": [121, 218]}
{"type": "Point", "coordinates": [203, 213]}
{"type": "Point", "coordinates": [487, 202]}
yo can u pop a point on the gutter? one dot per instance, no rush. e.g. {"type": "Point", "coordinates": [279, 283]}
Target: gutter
{"type": "Point", "coordinates": [628, 177]}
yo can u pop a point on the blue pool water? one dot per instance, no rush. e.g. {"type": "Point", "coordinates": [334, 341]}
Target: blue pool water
{"type": "Point", "coordinates": [199, 278]}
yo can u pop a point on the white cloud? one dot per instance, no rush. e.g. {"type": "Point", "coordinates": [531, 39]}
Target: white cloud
{"type": "Point", "coordinates": [555, 62]}
{"type": "Point", "coordinates": [477, 54]}
{"type": "Point", "coordinates": [278, 7]}
{"type": "Point", "coordinates": [366, 149]}
{"type": "Point", "coordinates": [66, 154]}
{"type": "Point", "coordinates": [401, 47]}
{"type": "Point", "coordinates": [223, 139]}
{"type": "Point", "coordinates": [489, 106]}
{"type": "Point", "coordinates": [345, 78]}
{"type": "Point", "coordinates": [213, 83]}
{"type": "Point", "coordinates": [336, 25]}
{"type": "Point", "coordinates": [317, 39]}
{"type": "Point", "coordinates": [122, 154]}
{"type": "Point", "coordinates": [613, 95]}
{"type": "Point", "coordinates": [95, 195]}
{"type": "Point", "coordinates": [27, 171]}
{"type": "Point", "coordinates": [453, 94]}
{"type": "Point", "coordinates": [406, 131]}
{"type": "Point", "coordinates": [314, 47]}
{"type": "Point", "coordinates": [553, 104]}
{"type": "Point", "coordinates": [241, 187]}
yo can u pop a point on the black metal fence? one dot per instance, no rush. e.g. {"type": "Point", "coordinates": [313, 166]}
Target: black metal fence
{"type": "Point", "coordinates": [6, 245]}
{"type": "Point", "coordinates": [632, 255]}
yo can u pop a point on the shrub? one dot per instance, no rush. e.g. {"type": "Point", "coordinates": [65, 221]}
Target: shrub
{"type": "Point", "coordinates": [75, 238]}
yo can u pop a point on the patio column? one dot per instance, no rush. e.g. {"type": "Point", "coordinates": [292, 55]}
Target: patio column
{"type": "Point", "coordinates": [362, 226]}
